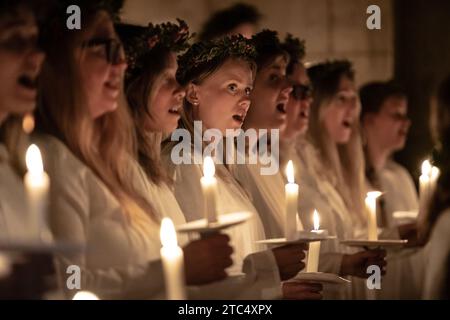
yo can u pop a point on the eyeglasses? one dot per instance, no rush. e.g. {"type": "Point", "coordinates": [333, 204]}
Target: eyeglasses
{"type": "Point", "coordinates": [301, 91]}
{"type": "Point", "coordinates": [112, 49]}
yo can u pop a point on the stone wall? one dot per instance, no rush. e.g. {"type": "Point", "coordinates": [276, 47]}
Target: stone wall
{"type": "Point", "coordinates": [331, 28]}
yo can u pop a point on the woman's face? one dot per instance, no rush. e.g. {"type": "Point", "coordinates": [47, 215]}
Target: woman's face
{"type": "Point", "coordinates": [20, 63]}
{"type": "Point", "coordinates": [222, 100]}
{"type": "Point", "coordinates": [166, 101]}
{"type": "Point", "coordinates": [342, 112]}
{"type": "Point", "coordinates": [299, 104]}
{"type": "Point", "coordinates": [102, 80]}
{"type": "Point", "coordinates": [270, 97]}
{"type": "Point", "coordinates": [389, 127]}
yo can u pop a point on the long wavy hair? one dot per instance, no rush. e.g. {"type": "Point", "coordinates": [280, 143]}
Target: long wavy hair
{"type": "Point", "coordinates": [440, 125]}
{"type": "Point", "coordinates": [139, 92]}
{"type": "Point", "coordinates": [342, 165]}
{"type": "Point", "coordinates": [105, 144]}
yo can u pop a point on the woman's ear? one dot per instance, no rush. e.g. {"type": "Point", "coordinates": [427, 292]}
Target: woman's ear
{"type": "Point", "coordinates": [192, 94]}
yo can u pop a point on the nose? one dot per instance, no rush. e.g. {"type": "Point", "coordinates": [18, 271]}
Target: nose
{"type": "Point", "coordinates": [245, 101]}
{"type": "Point", "coordinates": [120, 66]}
{"type": "Point", "coordinates": [286, 88]}
{"type": "Point", "coordinates": [407, 123]}
{"type": "Point", "coordinates": [180, 92]}
{"type": "Point", "coordinates": [306, 103]}
{"type": "Point", "coordinates": [35, 59]}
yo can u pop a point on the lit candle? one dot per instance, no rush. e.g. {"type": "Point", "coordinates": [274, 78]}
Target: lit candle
{"type": "Point", "coordinates": [371, 209]}
{"type": "Point", "coordinates": [427, 184]}
{"type": "Point", "coordinates": [37, 185]}
{"type": "Point", "coordinates": [314, 247]}
{"type": "Point", "coordinates": [172, 259]}
{"type": "Point", "coordinates": [291, 196]}
{"type": "Point", "coordinates": [85, 295]}
{"type": "Point", "coordinates": [209, 187]}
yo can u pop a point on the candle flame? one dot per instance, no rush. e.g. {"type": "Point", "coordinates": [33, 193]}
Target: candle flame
{"type": "Point", "coordinates": [28, 123]}
{"type": "Point", "coordinates": [208, 167]}
{"type": "Point", "coordinates": [33, 160]}
{"type": "Point", "coordinates": [84, 295]}
{"type": "Point", "coordinates": [167, 234]}
{"type": "Point", "coordinates": [290, 172]}
{"type": "Point", "coordinates": [374, 194]}
{"type": "Point", "coordinates": [316, 220]}
{"type": "Point", "coordinates": [426, 168]}
{"type": "Point", "coordinates": [435, 172]}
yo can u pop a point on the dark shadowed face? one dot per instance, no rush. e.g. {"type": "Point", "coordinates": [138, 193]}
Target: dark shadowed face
{"type": "Point", "coordinates": [166, 100]}
{"type": "Point", "coordinates": [20, 63]}
{"type": "Point", "coordinates": [299, 104]}
{"type": "Point", "coordinates": [270, 97]}
{"type": "Point", "coordinates": [102, 80]}
{"type": "Point", "coordinates": [342, 112]}
{"type": "Point", "coordinates": [389, 127]}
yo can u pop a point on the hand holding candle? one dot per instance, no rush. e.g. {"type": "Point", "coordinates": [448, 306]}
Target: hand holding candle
{"type": "Point", "coordinates": [173, 263]}
{"type": "Point", "coordinates": [291, 194]}
{"type": "Point", "coordinates": [209, 188]}
{"type": "Point", "coordinates": [37, 185]}
{"type": "Point", "coordinates": [314, 247]}
{"type": "Point", "coordinates": [371, 208]}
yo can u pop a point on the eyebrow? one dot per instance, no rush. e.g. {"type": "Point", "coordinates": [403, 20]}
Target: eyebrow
{"type": "Point", "coordinates": [237, 79]}
{"type": "Point", "coordinates": [277, 67]}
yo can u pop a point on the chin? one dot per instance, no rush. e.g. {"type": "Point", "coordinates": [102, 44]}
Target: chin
{"type": "Point", "coordinates": [21, 107]}
{"type": "Point", "coordinates": [302, 130]}
{"type": "Point", "coordinates": [169, 129]}
{"type": "Point", "coordinates": [344, 139]}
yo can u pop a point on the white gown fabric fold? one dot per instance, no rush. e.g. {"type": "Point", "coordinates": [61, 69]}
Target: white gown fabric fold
{"type": "Point", "coordinates": [121, 261]}
{"type": "Point", "coordinates": [403, 279]}
{"type": "Point", "coordinates": [16, 223]}
{"type": "Point", "coordinates": [248, 255]}
{"type": "Point", "coordinates": [317, 193]}
{"type": "Point", "coordinates": [260, 278]}
{"type": "Point", "coordinates": [437, 255]}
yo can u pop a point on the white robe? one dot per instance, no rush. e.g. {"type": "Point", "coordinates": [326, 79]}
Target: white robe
{"type": "Point", "coordinates": [437, 255]}
{"type": "Point", "coordinates": [121, 261]}
{"type": "Point", "coordinates": [260, 279]}
{"type": "Point", "coordinates": [247, 254]}
{"type": "Point", "coordinates": [403, 274]}
{"type": "Point", "coordinates": [16, 223]}
{"type": "Point", "coordinates": [316, 192]}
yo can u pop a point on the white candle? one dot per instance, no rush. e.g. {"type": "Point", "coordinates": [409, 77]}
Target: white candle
{"type": "Point", "coordinates": [37, 184]}
{"type": "Point", "coordinates": [371, 209]}
{"type": "Point", "coordinates": [314, 247]}
{"type": "Point", "coordinates": [172, 259]}
{"type": "Point", "coordinates": [209, 188]}
{"type": "Point", "coordinates": [85, 295]}
{"type": "Point", "coordinates": [424, 182]}
{"type": "Point", "coordinates": [291, 196]}
{"type": "Point", "coordinates": [427, 185]}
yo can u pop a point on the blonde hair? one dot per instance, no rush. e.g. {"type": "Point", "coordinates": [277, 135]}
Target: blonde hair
{"type": "Point", "coordinates": [105, 144]}
{"type": "Point", "coordinates": [343, 165]}
{"type": "Point", "coordinates": [139, 91]}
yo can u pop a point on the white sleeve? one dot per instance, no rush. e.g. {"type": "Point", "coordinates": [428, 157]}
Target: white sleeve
{"type": "Point", "coordinates": [70, 198]}
{"type": "Point", "coordinates": [437, 270]}
{"type": "Point", "coordinates": [188, 191]}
